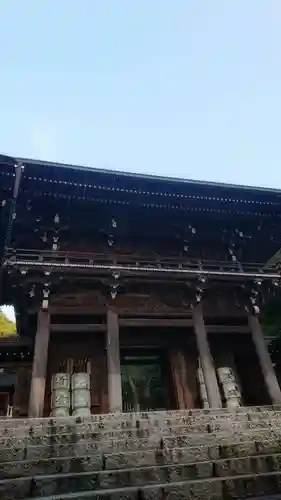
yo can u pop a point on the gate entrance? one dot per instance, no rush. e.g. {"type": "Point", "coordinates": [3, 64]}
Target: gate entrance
{"type": "Point", "coordinates": [145, 381]}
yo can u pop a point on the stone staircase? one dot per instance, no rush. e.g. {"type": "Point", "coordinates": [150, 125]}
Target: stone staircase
{"type": "Point", "coordinates": [191, 454]}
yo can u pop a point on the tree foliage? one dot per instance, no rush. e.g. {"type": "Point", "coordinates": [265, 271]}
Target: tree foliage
{"type": "Point", "coordinates": [7, 327]}
{"type": "Point", "coordinates": [271, 322]}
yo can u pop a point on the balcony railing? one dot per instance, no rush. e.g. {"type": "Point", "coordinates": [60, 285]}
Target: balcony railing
{"type": "Point", "coordinates": [99, 262]}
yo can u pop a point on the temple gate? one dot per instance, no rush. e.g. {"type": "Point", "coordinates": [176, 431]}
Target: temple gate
{"type": "Point", "coordinates": [134, 293]}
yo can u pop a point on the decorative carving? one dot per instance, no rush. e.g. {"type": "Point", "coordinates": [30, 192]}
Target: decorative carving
{"type": "Point", "coordinates": [251, 297]}
{"type": "Point", "coordinates": [61, 381]}
{"type": "Point", "coordinates": [60, 400]}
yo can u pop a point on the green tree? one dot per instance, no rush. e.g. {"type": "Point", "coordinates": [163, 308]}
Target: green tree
{"type": "Point", "coordinates": [7, 327]}
{"type": "Point", "coordinates": [271, 322]}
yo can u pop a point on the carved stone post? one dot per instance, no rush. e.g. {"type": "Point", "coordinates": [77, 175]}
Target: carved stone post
{"type": "Point", "coordinates": [264, 359]}
{"type": "Point", "coordinates": [206, 360]}
{"type": "Point", "coordinates": [113, 363]}
{"type": "Point", "coordinates": [39, 368]}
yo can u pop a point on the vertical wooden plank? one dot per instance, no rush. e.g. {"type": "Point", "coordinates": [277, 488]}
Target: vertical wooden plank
{"type": "Point", "coordinates": [174, 362]}
{"type": "Point", "coordinates": [187, 393]}
{"type": "Point", "coordinates": [22, 390]}
{"type": "Point", "coordinates": [94, 380]}
{"type": "Point", "coordinates": [104, 384]}
{"type": "Point", "coordinates": [184, 395]}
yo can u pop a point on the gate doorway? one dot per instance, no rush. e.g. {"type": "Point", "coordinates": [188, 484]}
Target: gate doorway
{"type": "Point", "coordinates": [4, 403]}
{"type": "Point", "coordinates": [146, 381]}
{"type": "Point", "coordinates": [7, 389]}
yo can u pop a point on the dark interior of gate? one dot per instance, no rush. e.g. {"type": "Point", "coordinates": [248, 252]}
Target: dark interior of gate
{"type": "Point", "coordinates": [80, 242]}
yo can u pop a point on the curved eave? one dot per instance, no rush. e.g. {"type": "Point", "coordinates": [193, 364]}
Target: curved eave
{"type": "Point", "coordinates": [154, 178]}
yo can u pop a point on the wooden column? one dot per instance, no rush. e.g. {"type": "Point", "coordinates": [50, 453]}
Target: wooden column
{"type": "Point", "coordinates": [113, 363]}
{"type": "Point", "coordinates": [175, 368]}
{"type": "Point", "coordinates": [265, 360]}
{"type": "Point", "coordinates": [39, 368]}
{"type": "Point", "coordinates": [206, 360]}
{"type": "Point", "coordinates": [22, 391]}
{"type": "Point", "coordinates": [183, 392]}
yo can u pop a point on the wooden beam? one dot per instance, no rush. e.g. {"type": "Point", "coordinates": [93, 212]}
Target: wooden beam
{"type": "Point", "coordinates": [71, 311]}
{"type": "Point", "coordinates": [181, 323]}
{"type": "Point", "coordinates": [79, 327]}
{"type": "Point", "coordinates": [148, 322]}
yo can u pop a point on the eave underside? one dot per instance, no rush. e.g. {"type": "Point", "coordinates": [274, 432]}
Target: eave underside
{"type": "Point", "coordinates": [156, 218]}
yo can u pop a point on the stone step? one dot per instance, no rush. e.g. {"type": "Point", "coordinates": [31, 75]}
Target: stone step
{"type": "Point", "coordinates": [270, 497]}
{"type": "Point", "coordinates": [256, 475]}
{"type": "Point", "coordinates": [125, 426]}
{"type": "Point", "coordinates": [89, 427]}
{"type": "Point", "coordinates": [102, 435]}
{"type": "Point", "coordinates": [129, 419]}
{"type": "Point", "coordinates": [190, 424]}
{"type": "Point", "coordinates": [232, 426]}
{"type": "Point", "coordinates": [191, 434]}
{"type": "Point", "coordinates": [37, 436]}
{"type": "Point", "coordinates": [222, 438]}
{"type": "Point", "coordinates": [17, 449]}
{"type": "Point", "coordinates": [140, 458]}
{"type": "Point", "coordinates": [256, 487]}
{"type": "Point", "coordinates": [147, 456]}
{"type": "Point", "coordinates": [111, 417]}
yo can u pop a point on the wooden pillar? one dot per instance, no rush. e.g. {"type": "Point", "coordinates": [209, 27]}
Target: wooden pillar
{"type": "Point", "coordinates": [113, 363]}
{"type": "Point", "coordinates": [39, 368]}
{"type": "Point", "coordinates": [265, 360]}
{"type": "Point", "coordinates": [183, 392]}
{"type": "Point", "coordinates": [206, 360]}
{"type": "Point", "coordinates": [176, 374]}
{"type": "Point", "coordinates": [22, 391]}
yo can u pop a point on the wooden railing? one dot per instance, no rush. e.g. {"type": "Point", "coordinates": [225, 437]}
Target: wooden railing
{"type": "Point", "coordinates": [133, 263]}
{"type": "Point", "coordinates": [63, 257]}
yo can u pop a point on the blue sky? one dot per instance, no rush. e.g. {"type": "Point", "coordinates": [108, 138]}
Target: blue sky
{"type": "Point", "coordinates": [187, 88]}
